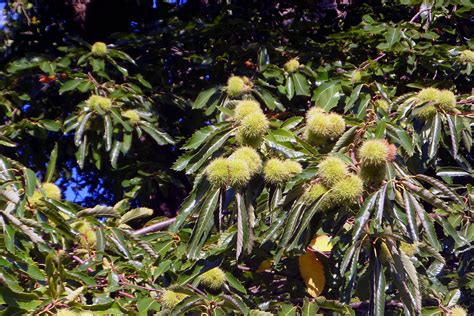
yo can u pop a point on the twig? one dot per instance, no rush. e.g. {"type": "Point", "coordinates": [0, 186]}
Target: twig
{"type": "Point", "coordinates": [366, 304]}
{"type": "Point", "coordinates": [25, 229]}
{"type": "Point", "coordinates": [140, 287]}
{"type": "Point", "coordinates": [418, 14]}
{"type": "Point", "coordinates": [76, 258]}
{"type": "Point", "coordinates": [155, 227]}
{"type": "Point", "coordinates": [126, 294]}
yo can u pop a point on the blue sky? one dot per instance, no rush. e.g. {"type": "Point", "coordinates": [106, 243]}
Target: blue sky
{"type": "Point", "coordinates": [2, 5]}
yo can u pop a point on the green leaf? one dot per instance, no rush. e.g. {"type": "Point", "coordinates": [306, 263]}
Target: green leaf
{"type": "Point", "coordinates": [435, 136]}
{"type": "Point", "coordinates": [70, 85]}
{"type": "Point", "coordinates": [393, 36]}
{"type": "Point", "coordinates": [453, 134]}
{"type": "Point", "coordinates": [327, 95]}
{"type": "Point", "coordinates": [244, 226]}
{"type": "Point", "coordinates": [118, 239]}
{"type": "Point", "coordinates": [300, 84]}
{"type": "Point", "coordinates": [353, 98]}
{"type": "Point", "coordinates": [30, 181]}
{"type": "Point", "coordinates": [81, 153]}
{"type": "Point", "coordinates": [348, 257]}
{"type": "Point", "coordinates": [98, 65]}
{"type": "Point", "coordinates": [292, 122]}
{"type": "Point", "coordinates": [9, 238]}
{"type": "Point", "coordinates": [73, 295]}
{"type": "Point", "coordinates": [263, 58]}
{"type": "Point", "coordinates": [204, 224]}
{"type": "Point", "coordinates": [290, 88]}
{"type": "Point", "coordinates": [207, 150]}
{"type": "Point", "coordinates": [26, 301]}
{"type": "Point", "coordinates": [427, 223]}
{"type": "Point", "coordinates": [81, 129]}
{"type": "Point", "coordinates": [186, 305]}
{"type": "Point", "coordinates": [236, 302]}
{"type": "Point", "coordinates": [99, 211]}
{"type": "Point", "coordinates": [53, 157]}
{"type": "Point", "coordinates": [147, 304]}
{"type": "Point", "coordinates": [309, 308]}
{"type": "Point", "coordinates": [288, 310]}
{"type": "Point", "coordinates": [100, 245]}
{"type": "Point", "coordinates": [380, 205]}
{"type": "Point", "coordinates": [201, 136]}
{"type": "Point", "coordinates": [413, 276]}
{"type": "Point", "coordinates": [400, 136]}
{"type": "Point", "coordinates": [108, 131]}
{"type": "Point", "coordinates": [269, 99]}
{"type": "Point", "coordinates": [235, 283]}
{"type": "Point", "coordinates": [363, 216]}
{"type": "Point", "coordinates": [413, 230]}
{"type": "Point", "coordinates": [458, 237]}
{"type": "Point", "coordinates": [206, 98]}
{"type": "Point", "coordinates": [50, 125]}
{"type": "Point", "coordinates": [115, 153]}
{"type": "Point", "coordinates": [145, 83]}
{"type": "Point", "coordinates": [307, 216]}
{"type": "Point", "coordinates": [291, 225]}
{"type": "Point", "coordinates": [345, 139]}
{"type": "Point", "coordinates": [161, 138]}
{"type": "Point", "coordinates": [377, 288]}
{"type": "Point", "coordinates": [48, 67]}
{"type": "Point", "coordinates": [134, 214]}
{"type": "Point", "coordinates": [116, 116]}
{"type": "Point", "coordinates": [190, 204]}
{"type": "Point", "coordinates": [337, 306]}
{"type": "Point", "coordinates": [443, 188]}
{"type": "Point", "coordinates": [6, 142]}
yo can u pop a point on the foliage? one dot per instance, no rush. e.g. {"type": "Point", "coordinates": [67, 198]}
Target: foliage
{"type": "Point", "coordinates": [326, 162]}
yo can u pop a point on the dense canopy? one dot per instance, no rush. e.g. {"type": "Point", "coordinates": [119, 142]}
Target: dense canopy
{"type": "Point", "coordinates": [236, 157]}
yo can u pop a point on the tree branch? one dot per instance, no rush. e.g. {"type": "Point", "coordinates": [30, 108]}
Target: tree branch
{"type": "Point", "coordinates": [155, 227]}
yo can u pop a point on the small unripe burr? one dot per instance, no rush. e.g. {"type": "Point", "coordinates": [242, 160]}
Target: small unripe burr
{"type": "Point", "coordinates": [331, 170]}
{"type": "Point", "coordinates": [337, 125]}
{"type": "Point", "coordinates": [382, 104]}
{"type": "Point", "coordinates": [243, 140]}
{"type": "Point", "coordinates": [254, 125]}
{"type": "Point", "coordinates": [347, 190]}
{"type": "Point", "coordinates": [314, 192]}
{"type": "Point", "coordinates": [321, 125]}
{"type": "Point", "coordinates": [228, 172]}
{"type": "Point", "coordinates": [356, 76]}
{"type": "Point", "coordinates": [99, 102]}
{"type": "Point", "coordinates": [250, 156]}
{"type": "Point", "coordinates": [293, 167]}
{"type": "Point", "coordinates": [457, 311]}
{"type": "Point", "coordinates": [87, 237]}
{"type": "Point", "coordinates": [373, 175]}
{"type": "Point", "coordinates": [446, 101]}
{"type": "Point", "coordinates": [213, 279]}
{"type": "Point", "coordinates": [425, 112]}
{"type": "Point", "coordinates": [467, 56]}
{"type": "Point", "coordinates": [48, 190]}
{"type": "Point", "coordinates": [99, 49]}
{"type": "Point", "coordinates": [277, 171]}
{"type": "Point", "coordinates": [245, 108]}
{"type": "Point", "coordinates": [409, 249]}
{"type": "Point", "coordinates": [292, 65]}
{"type": "Point", "coordinates": [428, 95]}
{"type": "Point", "coordinates": [132, 116]}
{"type": "Point", "coordinates": [235, 86]}
{"type": "Point", "coordinates": [170, 299]}
{"type": "Point", "coordinates": [376, 152]}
